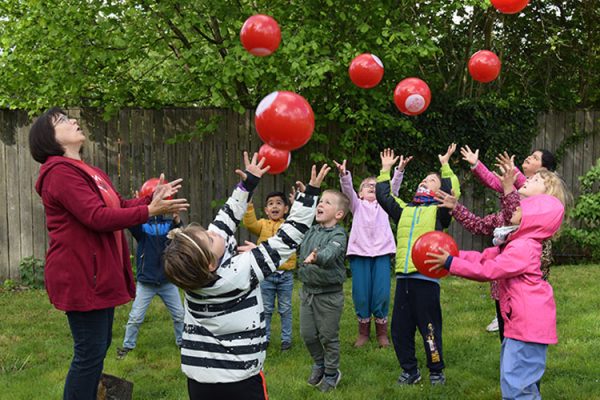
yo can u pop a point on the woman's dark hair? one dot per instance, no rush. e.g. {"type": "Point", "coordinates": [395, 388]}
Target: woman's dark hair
{"type": "Point", "coordinates": [42, 137]}
{"type": "Point", "coordinates": [548, 159]}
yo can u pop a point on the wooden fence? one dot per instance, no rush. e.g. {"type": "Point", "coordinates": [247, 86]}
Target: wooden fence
{"type": "Point", "coordinates": [131, 148]}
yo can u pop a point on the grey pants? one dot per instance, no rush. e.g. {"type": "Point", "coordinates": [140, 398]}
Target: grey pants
{"type": "Point", "coordinates": [320, 316]}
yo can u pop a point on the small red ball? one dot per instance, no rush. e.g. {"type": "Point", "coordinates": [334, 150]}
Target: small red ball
{"type": "Point", "coordinates": [366, 70]}
{"type": "Point", "coordinates": [279, 160]}
{"type": "Point", "coordinates": [260, 35]}
{"type": "Point", "coordinates": [484, 66]}
{"type": "Point", "coordinates": [412, 96]}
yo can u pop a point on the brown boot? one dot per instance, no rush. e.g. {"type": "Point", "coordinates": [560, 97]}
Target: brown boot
{"type": "Point", "coordinates": [364, 329]}
{"type": "Point", "coordinates": [381, 332]}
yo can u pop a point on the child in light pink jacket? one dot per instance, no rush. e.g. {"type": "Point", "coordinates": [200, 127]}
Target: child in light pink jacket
{"type": "Point", "coordinates": [526, 300]}
{"type": "Point", "coordinates": [370, 247]}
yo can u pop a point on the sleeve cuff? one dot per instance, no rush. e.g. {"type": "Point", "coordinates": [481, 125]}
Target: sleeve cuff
{"type": "Point", "coordinates": [313, 191]}
{"type": "Point", "coordinates": [251, 182]}
{"type": "Point", "coordinates": [448, 263]}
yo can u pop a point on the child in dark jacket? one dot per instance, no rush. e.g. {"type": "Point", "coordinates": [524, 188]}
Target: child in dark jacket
{"type": "Point", "coordinates": [322, 272]}
{"type": "Point", "coordinates": [151, 280]}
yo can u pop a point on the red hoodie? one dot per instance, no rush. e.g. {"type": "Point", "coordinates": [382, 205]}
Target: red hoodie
{"type": "Point", "coordinates": [84, 268]}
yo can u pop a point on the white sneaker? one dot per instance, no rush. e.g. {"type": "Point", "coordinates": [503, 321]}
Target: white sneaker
{"type": "Point", "coordinates": [493, 326]}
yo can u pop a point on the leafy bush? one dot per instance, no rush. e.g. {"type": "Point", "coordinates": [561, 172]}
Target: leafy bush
{"type": "Point", "coordinates": [32, 272]}
{"type": "Point", "coordinates": [585, 234]}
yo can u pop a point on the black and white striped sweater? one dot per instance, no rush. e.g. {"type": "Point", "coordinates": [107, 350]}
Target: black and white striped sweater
{"type": "Point", "coordinates": [224, 335]}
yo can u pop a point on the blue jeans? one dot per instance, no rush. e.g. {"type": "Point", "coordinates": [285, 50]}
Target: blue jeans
{"type": "Point", "coordinates": [522, 366]}
{"type": "Point", "coordinates": [371, 280]}
{"type": "Point", "coordinates": [92, 335]}
{"type": "Point", "coordinates": [280, 286]}
{"type": "Point", "coordinates": [144, 293]}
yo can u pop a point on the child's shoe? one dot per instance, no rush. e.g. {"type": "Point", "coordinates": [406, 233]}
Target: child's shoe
{"type": "Point", "coordinates": [285, 346]}
{"type": "Point", "coordinates": [330, 382]}
{"type": "Point", "coordinates": [407, 378]}
{"type": "Point", "coordinates": [437, 378]}
{"type": "Point", "coordinates": [381, 331]}
{"type": "Point", "coordinates": [493, 326]}
{"type": "Point", "coordinates": [122, 352]}
{"type": "Point", "coordinates": [364, 329]}
{"type": "Point", "coordinates": [316, 375]}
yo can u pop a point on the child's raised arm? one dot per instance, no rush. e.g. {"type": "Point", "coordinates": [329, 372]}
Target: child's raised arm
{"type": "Point", "coordinates": [251, 222]}
{"type": "Point", "coordinates": [399, 174]}
{"type": "Point", "coordinates": [346, 184]}
{"type": "Point", "coordinates": [389, 203]}
{"type": "Point", "coordinates": [229, 216]}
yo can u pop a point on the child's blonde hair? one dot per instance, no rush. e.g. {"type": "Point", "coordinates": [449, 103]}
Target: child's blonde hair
{"type": "Point", "coordinates": [343, 201]}
{"type": "Point", "coordinates": [187, 258]}
{"type": "Point", "coordinates": [555, 186]}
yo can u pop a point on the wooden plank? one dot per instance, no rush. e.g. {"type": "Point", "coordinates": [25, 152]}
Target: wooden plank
{"type": "Point", "coordinates": [25, 186]}
{"type": "Point", "coordinates": [563, 130]}
{"type": "Point", "coordinates": [12, 198]}
{"type": "Point", "coordinates": [137, 149]}
{"type": "Point", "coordinates": [4, 241]}
{"type": "Point", "coordinates": [538, 142]}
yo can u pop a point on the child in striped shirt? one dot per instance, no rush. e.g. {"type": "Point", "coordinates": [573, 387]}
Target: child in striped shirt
{"type": "Point", "coordinates": [224, 339]}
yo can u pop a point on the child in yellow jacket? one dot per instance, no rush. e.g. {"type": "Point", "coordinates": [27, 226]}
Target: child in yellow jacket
{"type": "Point", "coordinates": [281, 283]}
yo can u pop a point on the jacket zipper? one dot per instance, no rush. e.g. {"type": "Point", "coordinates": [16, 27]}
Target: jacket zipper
{"type": "Point", "coordinates": [410, 234]}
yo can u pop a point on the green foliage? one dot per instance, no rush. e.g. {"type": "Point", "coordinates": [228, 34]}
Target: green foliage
{"type": "Point", "coordinates": [32, 272]}
{"type": "Point", "coordinates": [9, 284]}
{"type": "Point", "coordinates": [586, 236]}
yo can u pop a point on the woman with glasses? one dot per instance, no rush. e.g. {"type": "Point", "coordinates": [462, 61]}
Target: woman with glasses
{"type": "Point", "coordinates": [88, 270]}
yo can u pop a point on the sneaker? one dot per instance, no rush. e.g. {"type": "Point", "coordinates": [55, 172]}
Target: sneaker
{"type": "Point", "coordinates": [493, 326]}
{"type": "Point", "coordinates": [285, 346]}
{"type": "Point", "coordinates": [330, 382]}
{"type": "Point", "coordinates": [409, 379]}
{"type": "Point", "coordinates": [316, 375]}
{"type": "Point", "coordinates": [122, 352]}
{"type": "Point", "coordinates": [437, 378]}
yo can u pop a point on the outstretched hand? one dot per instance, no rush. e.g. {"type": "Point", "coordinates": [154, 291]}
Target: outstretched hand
{"type": "Point", "coordinates": [470, 156]}
{"type": "Point", "coordinates": [404, 162]}
{"type": "Point", "coordinates": [298, 187]}
{"type": "Point", "coordinates": [253, 166]}
{"type": "Point", "coordinates": [446, 157]}
{"type": "Point", "coordinates": [311, 258]}
{"type": "Point", "coordinates": [247, 246]}
{"type": "Point", "coordinates": [387, 159]}
{"type": "Point", "coordinates": [504, 159]}
{"type": "Point", "coordinates": [507, 175]}
{"type": "Point", "coordinates": [437, 260]}
{"type": "Point", "coordinates": [165, 189]}
{"type": "Point", "coordinates": [341, 167]}
{"type": "Point", "coordinates": [445, 199]}
{"type": "Point", "coordinates": [317, 179]}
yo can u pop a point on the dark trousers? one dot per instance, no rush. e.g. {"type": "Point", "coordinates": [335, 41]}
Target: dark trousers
{"type": "Point", "coordinates": [500, 321]}
{"type": "Point", "coordinates": [417, 306]}
{"type": "Point", "coordinates": [253, 388]}
{"type": "Point", "coordinates": [92, 334]}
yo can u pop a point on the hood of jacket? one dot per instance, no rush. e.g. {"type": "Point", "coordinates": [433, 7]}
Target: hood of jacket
{"type": "Point", "coordinates": [542, 216]}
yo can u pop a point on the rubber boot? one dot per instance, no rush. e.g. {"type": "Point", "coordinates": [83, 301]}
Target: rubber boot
{"type": "Point", "coordinates": [364, 329]}
{"type": "Point", "coordinates": [381, 332]}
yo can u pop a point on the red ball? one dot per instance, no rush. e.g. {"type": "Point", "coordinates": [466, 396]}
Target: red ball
{"type": "Point", "coordinates": [366, 70]}
{"type": "Point", "coordinates": [484, 66]}
{"type": "Point", "coordinates": [279, 160]}
{"type": "Point", "coordinates": [429, 243]}
{"type": "Point", "coordinates": [148, 188]}
{"type": "Point", "coordinates": [412, 96]}
{"type": "Point", "coordinates": [260, 35]}
{"type": "Point", "coordinates": [284, 120]}
{"type": "Point", "coordinates": [509, 6]}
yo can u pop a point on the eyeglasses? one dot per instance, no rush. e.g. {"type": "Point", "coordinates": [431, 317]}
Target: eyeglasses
{"type": "Point", "coordinates": [61, 118]}
{"type": "Point", "coordinates": [368, 185]}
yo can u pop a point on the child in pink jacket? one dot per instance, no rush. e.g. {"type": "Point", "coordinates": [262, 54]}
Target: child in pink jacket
{"type": "Point", "coordinates": [526, 300]}
{"type": "Point", "coordinates": [370, 247]}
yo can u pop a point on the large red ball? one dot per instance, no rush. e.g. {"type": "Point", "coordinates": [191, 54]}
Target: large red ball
{"type": "Point", "coordinates": [484, 66]}
{"type": "Point", "coordinates": [279, 160]}
{"type": "Point", "coordinates": [284, 120]}
{"type": "Point", "coordinates": [412, 96]}
{"type": "Point", "coordinates": [260, 35]}
{"type": "Point", "coordinates": [509, 6]}
{"type": "Point", "coordinates": [366, 70]}
{"type": "Point", "coordinates": [148, 188]}
{"type": "Point", "coordinates": [429, 243]}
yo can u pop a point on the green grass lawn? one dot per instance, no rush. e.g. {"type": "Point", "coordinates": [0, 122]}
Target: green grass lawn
{"type": "Point", "coordinates": [35, 349]}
